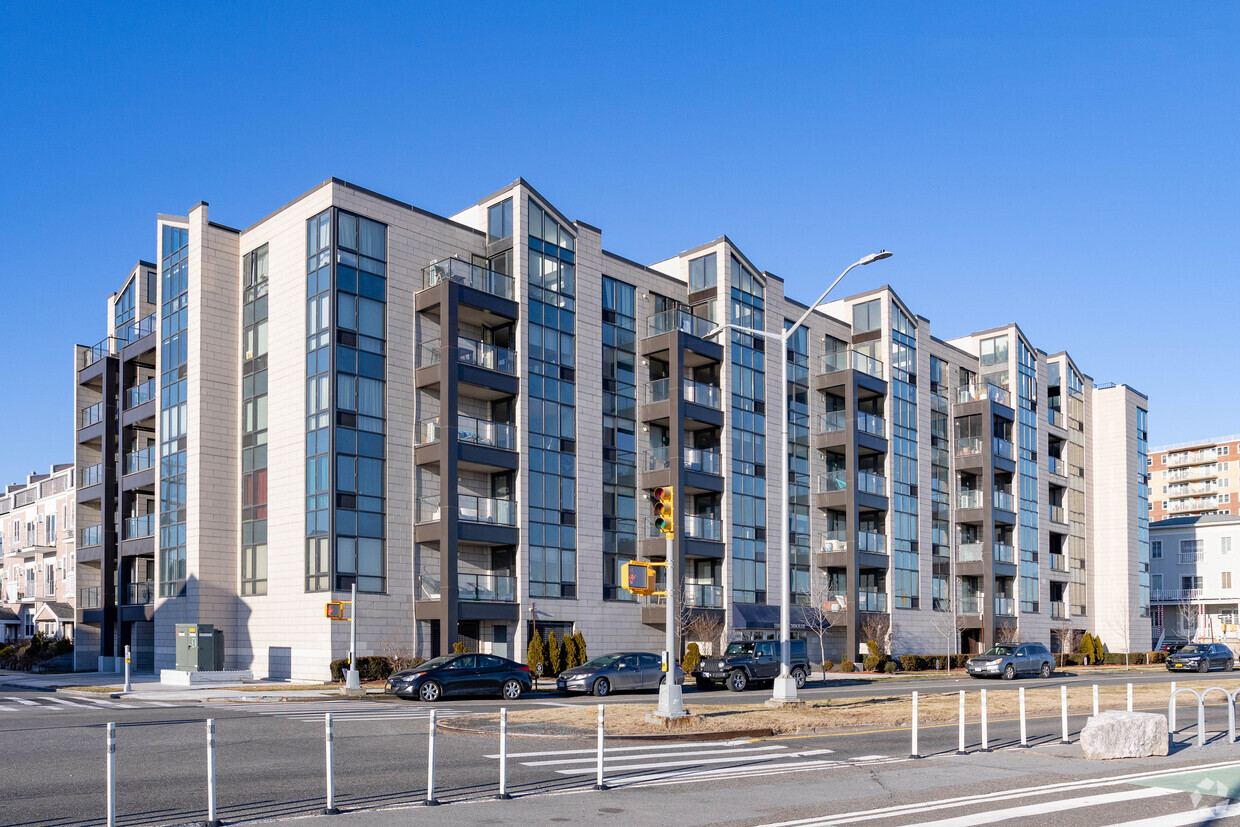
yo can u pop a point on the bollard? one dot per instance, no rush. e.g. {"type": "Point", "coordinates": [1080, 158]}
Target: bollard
{"type": "Point", "coordinates": [1063, 694]}
{"type": "Point", "coordinates": [127, 686]}
{"type": "Point", "coordinates": [430, 765]}
{"type": "Point", "coordinates": [1095, 699]}
{"type": "Point", "coordinates": [914, 754]}
{"type": "Point", "coordinates": [111, 775]}
{"type": "Point", "coordinates": [1130, 697]}
{"type": "Point", "coordinates": [1171, 710]}
{"type": "Point", "coordinates": [211, 821]}
{"type": "Point", "coordinates": [330, 809]}
{"type": "Point", "coordinates": [1201, 721]}
{"type": "Point", "coordinates": [962, 750]}
{"type": "Point", "coordinates": [1024, 737]}
{"type": "Point", "coordinates": [598, 782]}
{"type": "Point", "coordinates": [985, 736]}
{"type": "Point", "coordinates": [503, 755]}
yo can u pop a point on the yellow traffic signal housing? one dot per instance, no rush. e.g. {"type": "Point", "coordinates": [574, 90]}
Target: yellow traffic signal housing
{"type": "Point", "coordinates": [665, 508]}
{"type": "Point", "coordinates": [334, 610]}
{"type": "Point", "coordinates": [639, 578]}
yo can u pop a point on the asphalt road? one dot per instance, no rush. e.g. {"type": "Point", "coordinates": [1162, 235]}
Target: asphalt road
{"type": "Point", "coordinates": [270, 758]}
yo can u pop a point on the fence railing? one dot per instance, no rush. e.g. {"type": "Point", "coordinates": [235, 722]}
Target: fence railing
{"type": "Point", "coordinates": [469, 274]}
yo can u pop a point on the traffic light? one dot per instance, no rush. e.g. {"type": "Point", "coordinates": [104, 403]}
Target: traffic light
{"type": "Point", "coordinates": [664, 508]}
{"type": "Point", "coordinates": [334, 610]}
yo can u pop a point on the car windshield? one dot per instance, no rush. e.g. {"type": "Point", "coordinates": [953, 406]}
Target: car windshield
{"type": "Point", "coordinates": [601, 660]}
{"type": "Point", "coordinates": [1000, 650]}
{"type": "Point", "coordinates": [435, 663]}
{"type": "Point", "coordinates": [1194, 649]}
{"type": "Point", "coordinates": [739, 648]}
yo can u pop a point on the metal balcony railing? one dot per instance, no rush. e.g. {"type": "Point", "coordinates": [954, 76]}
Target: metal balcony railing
{"type": "Point", "coordinates": [982, 390]}
{"type": "Point", "coordinates": [1192, 457]}
{"type": "Point", "coordinates": [845, 359]}
{"type": "Point", "coordinates": [136, 461]}
{"type": "Point", "coordinates": [471, 275]}
{"type": "Point", "coordinates": [141, 393]}
{"type": "Point", "coordinates": [106, 347]}
{"type": "Point", "coordinates": [135, 331]}
{"type": "Point", "coordinates": [91, 415]}
{"type": "Point", "coordinates": [141, 526]}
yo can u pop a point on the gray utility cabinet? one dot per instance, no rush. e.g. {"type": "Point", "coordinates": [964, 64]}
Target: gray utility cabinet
{"type": "Point", "coordinates": [200, 648]}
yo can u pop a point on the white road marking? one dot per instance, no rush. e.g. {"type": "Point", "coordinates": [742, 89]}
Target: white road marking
{"type": "Point", "coordinates": [157, 703]}
{"type": "Point", "coordinates": [660, 747]}
{"type": "Point", "coordinates": [1061, 805]}
{"type": "Point", "coordinates": [8, 709]}
{"type": "Point", "coordinates": [868, 758]}
{"type": "Point", "coordinates": [590, 760]}
{"type": "Point", "coordinates": [23, 701]}
{"type": "Point", "coordinates": [1205, 815]}
{"type": "Point", "coordinates": [106, 702]}
{"type": "Point", "coordinates": [68, 703]}
{"type": "Point", "coordinates": [748, 759]}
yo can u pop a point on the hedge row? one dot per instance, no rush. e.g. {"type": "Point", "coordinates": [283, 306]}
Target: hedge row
{"type": "Point", "coordinates": [370, 667]}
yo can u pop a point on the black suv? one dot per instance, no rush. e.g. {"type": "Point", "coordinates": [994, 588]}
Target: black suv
{"type": "Point", "coordinates": [746, 661]}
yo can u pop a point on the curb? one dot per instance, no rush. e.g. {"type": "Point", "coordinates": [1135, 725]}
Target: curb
{"type": "Point", "coordinates": [588, 735]}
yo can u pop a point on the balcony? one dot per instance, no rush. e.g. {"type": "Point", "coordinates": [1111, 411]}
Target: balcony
{"type": "Point", "coordinates": [470, 275]}
{"type": "Point", "coordinates": [471, 509]}
{"type": "Point", "coordinates": [1055, 418]}
{"type": "Point", "coordinates": [872, 542]}
{"type": "Point", "coordinates": [1002, 448]}
{"type": "Point", "coordinates": [1196, 504]}
{"type": "Point", "coordinates": [845, 359]}
{"type": "Point", "coordinates": [1058, 562]}
{"type": "Point", "coordinates": [90, 536]}
{"type": "Point", "coordinates": [969, 552]}
{"type": "Point", "coordinates": [141, 394]}
{"type": "Point", "coordinates": [970, 606]}
{"type": "Point", "coordinates": [136, 461]}
{"type": "Point", "coordinates": [469, 430]}
{"type": "Point", "coordinates": [90, 598]}
{"type": "Point", "coordinates": [832, 422]}
{"type": "Point", "coordinates": [1003, 501]}
{"type": "Point", "coordinates": [1057, 466]}
{"type": "Point", "coordinates": [91, 416]}
{"type": "Point", "coordinates": [1192, 490]}
{"type": "Point", "coordinates": [970, 446]}
{"type": "Point", "coordinates": [868, 423]}
{"type": "Point", "coordinates": [970, 499]}
{"type": "Point", "coordinates": [107, 347]}
{"type": "Point", "coordinates": [833, 540]}
{"type": "Point", "coordinates": [871, 602]}
{"type": "Point", "coordinates": [704, 596]}
{"type": "Point", "coordinates": [1005, 607]}
{"type": "Point", "coordinates": [695, 392]}
{"type": "Point", "coordinates": [832, 481]}
{"type": "Point", "coordinates": [142, 526]}
{"type": "Point", "coordinates": [1056, 514]}
{"type": "Point", "coordinates": [141, 593]}
{"type": "Point", "coordinates": [428, 587]}
{"type": "Point", "coordinates": [1059, 610]}
{"type": "Point", "coordinates": [135, 331]}
{"type": "Point", "coordinates": [471, 352]}
{"type": "Point", "coordinates": [490, 587]}
{"type": "Point", "coordinates": [1202, 472]}
{"type": "Point", "coordinates": [92, 475]}
{"type": "Point", "coordinates": [980, 391]}
{"type": "Point", "coordinates": [703, 528]}
{"type": "Point", "coordinates": [1191, 558]}
{"type": "Point", "coordinates": [870, 483]}
{"type": "Point", "coordinates": [678, 319]}
{"type": "Point", "coordinates": [694, 459]}
{"type": "Point", "coordinates": [1005, 554]}
{"type": "Point", "coordinates": [1192, 457]}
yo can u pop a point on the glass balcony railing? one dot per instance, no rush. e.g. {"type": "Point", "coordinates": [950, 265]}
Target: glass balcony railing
{"type": "Point", "coordinates": [678, 319]}
{"type": "Point", "coordinates": [471, 430]}
{"type": "Point", "coordinates": [832, 481]}
{"type": "Point", "coordinates": [871, 602]}
{"type": "Point", "coordinates": [90, 536]}
{"type": "Point", "coordinates": [1054, 417]}
{"type": "Point", "coordinates": [658, 459]}
{"type": "Point", "coordinates": [90, 598]}
{"type": "Point", "coordinates": [491, 587]}
{"type": "Point", "coordinates": [870, 424]}
{"type": "Point", "coordinates": [428, 354]}
{"type": "Point", "coordinates": [832, 421]}
{"type": "Point", "coordinates": [969, 553]}
{"type": "Point", "coordinates": [139, 394]}
{"type": "Point", "coordinates": [982, 390]}
{"type": "Point", "coordinates": [487, 510]}
{"type": "Point", "coordinates": [871, 483]}
{"type": "Point", "coordinates": [703, 528]}
{"type": "Point", "coordinates": [872, 542]}
{"type": "Point", "coordinates": [1059, 610]}
{"type": "Point", "coordinates": [92, 415]}
{"type": "Point", "coordinates": [970, 446]}
{"type": "Point", "coordinates": [845, 359]}
{"type": "Point", "coordinates": [141, 593]}
{"type": "Point", "coordinates": [704, 595]}
{"type": "Point", "coordinates": [1058, 562]}
{"type": "Point", "coordinates": [1201, 473]}
{"type": "Point", "coordinates": [1003, 501]}
{"type": "Point", "coordinates": [472, 352]}
{"type": "Point", "coordinates": [143, 327]}
{"type": "Point", "coordinates": [136, 461]}
{"type": "Point", "coordinates": [471, 275]}
{"type": "Point", "coordinates": [838, 421]}
{"type": "Point", "coordinates": [1005, 554]}
{"type": "Point", "coordinates": [142, 526]}
{"type": "Point", "coordinates": [428, 587]}
{"type": "Point", "coordinates": [1055, 512]}
{"type": "Point", "coordinates": [702, 394]}
{"type": "Point", "coordinates": [92, 475]}
{"type": "Point", "coordinates": [1005, 607]}
{"type": "Point", "coordinates": [700, 459]}
{"type": "Point", "coordinates": [107, 347]}
{"type": "Point", "coordinates": [1057, 466]}
{"type": "Point", "coordinates": [1002, 448]}
{"type": "Point", "coordinates": [834, 540]}
{"type": "Point", "coordinates": [969, 499]}
{"type": "Point", "coordinates": [970, 606]}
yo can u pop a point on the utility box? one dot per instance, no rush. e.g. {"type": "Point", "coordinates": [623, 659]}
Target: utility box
{"type": "Point", "coordinates": [200, 648]}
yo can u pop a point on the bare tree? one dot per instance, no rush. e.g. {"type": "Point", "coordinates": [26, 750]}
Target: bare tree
{"type": "Point", "coordinates": [949, 622]}
{"type": "Point", "coordinates": [1065, 635]}
{"type": "Point", "coordinates": [1124, 625]}
{"type": "Point", "coordinates": [696, 624]}
{"type": "Point", "coordinates": [823, 613]}
{"type": "Point", "coordinates": [1007, 634]}
{"type": "Point", "coordinates": [1189, 616]}
{"type": "Point", "coordinates": [876, 626]}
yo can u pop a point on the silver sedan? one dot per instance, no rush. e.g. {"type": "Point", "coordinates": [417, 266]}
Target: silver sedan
{"type": "Point", "coordinates": [616, 672]}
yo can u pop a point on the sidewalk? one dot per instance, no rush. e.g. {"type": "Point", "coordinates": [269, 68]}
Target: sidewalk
{"type": "Point", "coordinates": [146, 687]}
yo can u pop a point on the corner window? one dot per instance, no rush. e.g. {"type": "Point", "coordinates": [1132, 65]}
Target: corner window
{"type": "Point", "coordinates": [499, 221]}
{"type": "Point", "coordinates": [867, 316]}
{"type": "Point", "coordinates": [702, 273]}
{"type": "Point", "coordinates": [994, 351]}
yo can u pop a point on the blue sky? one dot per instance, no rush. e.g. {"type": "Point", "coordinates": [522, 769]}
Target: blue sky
{"type": "Point", "coordinates": [1067, 166]}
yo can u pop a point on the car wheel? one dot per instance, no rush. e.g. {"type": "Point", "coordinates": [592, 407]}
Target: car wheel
{"type": "Point", "coordinates": [511, 690]}
{"type": "Point", "coordinates": [704, 684]}
{"type": "Point", "coordinates": [1009, 672]}
{"type": "Point", "coordinates": [602, 687]}
{"type": "Point", "coordinates": [798, 675]}
{"type": "Point", "coordinates": [1046, 670]}
{"type": "Point", "coordinates": [1204, 666]}
{"type": "Point", "coordinates": [1231, 664]}
{"type": "Point", "coordinates": [738, 680]}
{"type": "Point", "coordinates": [430, 692]}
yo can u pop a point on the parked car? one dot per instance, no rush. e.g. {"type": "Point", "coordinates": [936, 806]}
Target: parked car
{"type": "Point", "coordinates": [461, 675]}
{"type": "Point", "coordinates": [616, 672]}
{"type": "Point", "coordinates": [1009, 660]}
{"type": "Point", "coordinates": [1173, 645]}
{"type": "Point", "coordinates": [747, 661]}
{"type": "Point", "coordinates": [1201, 657]}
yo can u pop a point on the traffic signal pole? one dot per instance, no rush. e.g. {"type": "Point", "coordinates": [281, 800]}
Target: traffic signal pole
{"type": "Point", "coordinates": [353, 681]}
{"type": "Point", "coordinates": [671, 702]}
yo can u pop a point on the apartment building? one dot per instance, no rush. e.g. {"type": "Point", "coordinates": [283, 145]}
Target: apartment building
{"type": "Point", "coordinates": [37, 552]}
{"type": "Point", "coordinates": [1191, 568]}
{"type": "Point", "coordinates": [464, 416]}
{"type": "Point", "coordinates": [1192, 479]}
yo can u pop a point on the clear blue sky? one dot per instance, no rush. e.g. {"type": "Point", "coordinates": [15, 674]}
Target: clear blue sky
{"type": "Point", "coordinates": [1071, 167]}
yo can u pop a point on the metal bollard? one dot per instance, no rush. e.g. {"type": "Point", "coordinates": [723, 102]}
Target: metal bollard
{"type": "Point", "coordinates": [914, 753]}
{"type": "Point", "coordinates": [985, 735]}
{"type": "Point", "coordinates": [1063, 695]}
{"type": "Point", "coordinates": [1095, 699]}
{"type": "Point", "coordinates": [330, 809]}
{"type": "Point", "coordinates": [1024, 737]}
{"type": "Point", "coordinates": [211, 821]}
{"type": "Point", "coordinates": [1130, 697]}
{"type": "Point", "coordinates": [1171, 717]}
{"type": "Point", "coordinates": [430, 765]}
{"type": "Point", "coordinates": [1201, 721]}
{"type": "Point", "coordinates": [128, 688]}
{"type": "Point", "coordinates": [503, 755]}
{"type": "Point", "coordinates": [598, 782]}
{"type": "Point", "coordinates": [961, 750]}
{"type": "Point", "coordinates": [111, 775]}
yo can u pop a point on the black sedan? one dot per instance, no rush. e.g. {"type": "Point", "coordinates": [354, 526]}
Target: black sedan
{"type": "Point", "coordinates": [461, 675]}
{"type": "Point", "coordinates": [1201, 657]}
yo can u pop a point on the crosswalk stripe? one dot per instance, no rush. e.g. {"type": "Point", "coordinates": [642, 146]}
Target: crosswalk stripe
{"type": "Point", "coordinates": [106, 702]}
{"type": "Point", "coordinates": [23, 701]}
{"type": "Point", "coordinates": [611, 750]}
{"type": "Point", "coordinates": [749, 759]}
{"type": "Point", "coordinates": [157, 703]}
{"type": "Point", "coordinates": [741, 752]}
{"type": "Point", "coordinates": [8, 709]}
{"type": "Point", "coordinates": [68, 703]}
{"type": "Point", "coordinates": [1060, 805]}
{"type": "Point", "coordinates": [661, 779]}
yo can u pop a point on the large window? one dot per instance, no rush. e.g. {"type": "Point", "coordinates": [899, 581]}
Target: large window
{"type": "Point", "coordinates": [702, 273]}
{"type": "Point", "coordinates": [499, 221]}
{"type": "Point", "coordinates": [867, 316]}
{"type": "Point", "coordinates": [748, 371]}
{"type": "Point", "coordinates": [619, 434]}
{"type": "Point", "coordinates": [994, 351]}
{"type": "Point", "coordinates": [318, 402]}
{"type": "Point", "coordinates": [904, 494]}
{"type": "Point", "coordinates": [254, 423]}
{"type": "Point", "coordinates": [174, 272]}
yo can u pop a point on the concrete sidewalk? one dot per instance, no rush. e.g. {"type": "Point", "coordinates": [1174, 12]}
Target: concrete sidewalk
{"type": "Point", "coordinates": [146, 687]}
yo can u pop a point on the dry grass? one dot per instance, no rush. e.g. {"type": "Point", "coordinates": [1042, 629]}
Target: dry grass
{"type": "Point", "coordinates": [844, 714]}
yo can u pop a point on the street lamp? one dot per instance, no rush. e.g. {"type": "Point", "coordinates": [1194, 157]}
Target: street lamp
{"type": "Point", "coordinates": [785, 689]}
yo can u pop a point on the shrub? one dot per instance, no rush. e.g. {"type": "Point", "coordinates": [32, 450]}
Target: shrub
{"type": "Point", "coordinates": [958, 661]}
{"type": "Point", "coordinates": [570, 652]}
{"type": "Point", "coordinates": [891, 667]}
{"type": "Point", "coordinates": [369, 667]}
{"type": "Point", "coordinates": [580, 640]}
{"type": "Point", "coordinates": [872, 647]}
{"type": "Point", "coordinates": [1158, 657]}
{"type": "Point", "coordinates": [847, 666]}
{"type": "Point", "coordinates": [533, 654]}
{"type": "Point", "coordinates": [871, 663]}
{"type": "Point", "coordinates": [827, 666]}
{"type": "Point", "coordinates": [459, 648]}
{"type": "Point", "coordinates": [914, 663]}
{"type": "Point", "coordinates": [554, 655]}
{"type": "Point", "coordinates": [693, 659]}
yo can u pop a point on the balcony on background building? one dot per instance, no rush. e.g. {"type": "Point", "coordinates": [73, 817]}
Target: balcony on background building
{"type": "Point", "coordinates": [1005, 554]}
{"type": "Point", "coordinates": [470, 275]}
{"type": "Point", "coordinates": [969, 552]}
{"type": "Point", "coordinates": [136, 461]}
{"type": "Point", "coordinates": [1192, 489]}
{"type": "Point", "coordinates": [142, 526]}
{"type": "Point", "coordinates": [1196, 504]}
{"type": "Point", "coordinates": [1003, 501]}
{"type": "Point", "coordinates": [970, 446]}
{"type": "Point", "coordinates": [982, 390]}
{"type": "Point", "coordinates": [1192, 457]}
{"type": "Point", "coordinates": [1003, 448]}
{"type": "Point", "coordinates": [1201, 472]}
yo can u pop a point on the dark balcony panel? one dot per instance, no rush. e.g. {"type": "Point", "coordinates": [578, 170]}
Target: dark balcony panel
{"type": "Point", "coordinates": [488, 533]}
{"type": "Point", "coordinates": [871, 502]}
{"type": "Point", "coordinates": [832, 559]}
{"type": "Point", "coordinates": [654, 616]}
{"type": "Point", "coordinates": [426, 377]}
{"type": "Point", "coordinates": [974, 568]}
{"type": "Point", "coordinates": [487, 458]}
{"type": "Point", "coordinates": [137, 613]}
{"type": "Point", "coordinates": [428, 454]}
{"type": "Point", "coordinates": [138, 347]}
{"type": "Point", "coordinates": [142, 479]}
{"type": "Point", "coordinates": [703, 414]}
{"type": "Point", "coordinates": [702, 482]}
{"type": "Point", "coordinates": [659, 411]}
{"type": "Point", "coordinates": [89, 554]}
{"type": "Point", "coordinates": [486, 610]}
{"type": "Point", "coordinates": [869, 442]}
{"type": "Point", "coordinates": [140, 413]}
{"type": "Point", "coordinates": [707, 350]}
{"type": "Point", "coordinates": [94, 431]}
{"type": "Point", "coordinates": [491, 383]}
{"type": "Point", "coordinates": [93, 371]}
{"type": "Point", "coordinates": [93, 616]}
{"type": "Point", "coordinates": [1005, 465]}
{"type": "Point", "coordinates": [90, 493]}
{"type": "Point", "coordinates": [1003, 517]}
{"type": "Point", "coordinates": [707, 549]}
{"type": "Point", "coordinates": [138, 547]}
{"type": "Point", "coordinates": [831, 500]}
{"type": "Point", "coordinates": [831, 439]}
{"type": "Point", "coordinates": [869, 560]}
{"type": "Point", "coordinates": [428, 532]}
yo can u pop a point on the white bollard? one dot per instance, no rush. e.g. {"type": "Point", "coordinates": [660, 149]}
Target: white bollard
{"type": "Point", "coordinates": [330, 809]}
{"type": "Point", "coordinates": [1024, 737]}
{"type": "Point", "coordinates": [914, 753]}
{"type": "Point", "coordinates": [1201, 722]}
{"type": "Point", "coordinates": [962, 750]}
{"type": "Point", "coordinates": [430, 765]}
{"type": "Point", "coordinates": [503, 755]}
{"type": "Point", "coordinates": [985, 736]}
{"type": "Point", "coordinates": [1095, 699]}
{"type": "Point", "coordinates": [598, 782]}
{"type": "Point", "coordinates": [111, 775]}
{"type": "Point", "coordinates": [127, 686]}
{"type": "Point", "coordinates": [1171, 722]}
{"type": "Point", "coordinates": [211, 821]}
{"type": "Point", "coordinates": [1063, 695]}
{"type": "Point", "coordinates": [1130, 697]}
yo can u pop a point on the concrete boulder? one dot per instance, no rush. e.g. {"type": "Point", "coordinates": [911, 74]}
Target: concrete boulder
{"type": "Point", "coordinates": [1116, 734]}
